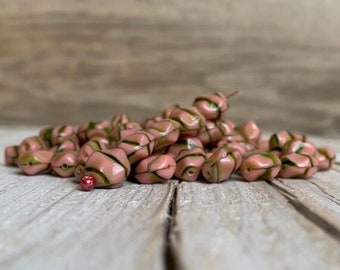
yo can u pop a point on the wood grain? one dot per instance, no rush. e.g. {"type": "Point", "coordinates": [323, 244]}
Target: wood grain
{"type": "Point", "coordinates": [88, 60]}
{"type": "Point", "coordinates": [238, 225]}
{"type": "Point", "coordinates": [48, 223]}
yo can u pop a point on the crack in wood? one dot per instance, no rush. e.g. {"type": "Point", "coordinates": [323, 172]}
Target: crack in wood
{"type": "Point", "coordinates": [323, 224]}
{"type": "Point", "coordinates": [170, 255]}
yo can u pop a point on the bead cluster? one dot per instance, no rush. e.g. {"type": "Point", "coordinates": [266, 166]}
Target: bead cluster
{"type": "Point", "coordinates": [186, 143]}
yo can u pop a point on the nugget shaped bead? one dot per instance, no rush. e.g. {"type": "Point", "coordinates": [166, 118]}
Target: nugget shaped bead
{"type": "Point", "coordinates": [221, 165]}
{"type": "Point", "coordinates": [155, 169]}
{"type": "Point", "coordinates": [211, 106]}
{"type": "Point", "coordinates": [150, 121]}
{"type": "Point", "coordinates": [36, 162]}
{"type": "Point", "coordinates": [11, 155]}
{"type": "Point", "coordinates": [88, 148]}
{"type": "Point", "coordinates": [165, 131]}
{"type": "Point", "coordinates": [88, 130]}
{"type": "Point", "coordinates": [183, 144]}
{"type": "Point", "coordinates": [118, 120]}
{"type": "Point", "coordinates": [249, 131]}
{"type": "Point", "coordinates": [123, 130]}
{"type": "Point", "coordinates": [299, 146]}
{"type": "Point", "coordinates": [280, 138]}
{"type": "Point", "coordinates": [213, 131]}
{"type": "Point", "coordinates": [190, 120]}
{"type": "Point", "coordinates": [63, 163]}
{"type": "Point", "coordinates": [325, 158]}
{"type": "Point", "coordinates": [109, 168]}
{"type": "Point", "coordinates": [137, 146]}
{"type": "Point", "coordinates": [189, 164]}
{"type": "Point", "coordinates": [70, 144]}
{"type": "Point", "coordinates": [296, 165]}
{"type": "Point", "coordinates": [258, 165]}
{"type": "Point", "coordinates": [30, 144]}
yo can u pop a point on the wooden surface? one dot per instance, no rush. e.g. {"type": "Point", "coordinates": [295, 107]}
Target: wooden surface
{"type": "Point", "coordinates": [47, 222]}
{"type": "Point", "coordinates": [81, 60]}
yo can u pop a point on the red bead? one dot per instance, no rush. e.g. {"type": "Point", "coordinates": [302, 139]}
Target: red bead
{"type": "Point", "coordinates": [87, 182]}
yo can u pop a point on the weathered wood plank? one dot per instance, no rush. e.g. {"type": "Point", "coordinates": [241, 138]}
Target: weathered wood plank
{"type": "Point", "coordinates": [239, 225]}
{"type": "Point", "coordinates": [317, 198]}
{"type": "Point", "coordinates": [48, 223]}
{"type": "Point", "coordinates": [282, 55]}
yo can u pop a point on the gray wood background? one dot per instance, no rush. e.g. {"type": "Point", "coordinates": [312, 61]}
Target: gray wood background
{"type": "Point", "coordinates": [73, 61]}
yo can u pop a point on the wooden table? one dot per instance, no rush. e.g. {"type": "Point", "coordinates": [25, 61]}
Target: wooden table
{"type": "Point", "coordinates": [49, 223]}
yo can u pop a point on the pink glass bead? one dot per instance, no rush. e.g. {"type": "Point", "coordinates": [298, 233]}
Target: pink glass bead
{"type": "Point", "coordinates": [263, 145]}
{"type": "Point", "coordinates": [211, 106]}
{"type": "Point", "coordinates": [31, 144]}
{"type": "Point", "coordinates": [155, 169]}
{"type": "Point", "coordinates": [122, 131]}
{"type": "Point", "coordinates": [88, 148]}
{"type": "Point", "coordinates": [235, 146]}
{"type": "Point", "coordinates": [70, 144]}
{"type": "Point", "coordinates": [119, 120]}
{"type": "Point", "coordinates": [150, 121]}
{"type": "Point", "coordinates": [299, 146]}
{"type": "Point", "coordinates": [296, 165]}
{"type": "Point", "coordinates": [35, 162]}
{"type": "Point", "coordinates": [165, 131]}
{"type": "Point", "coordinates": [325, 158]}
{"type": "Point", "coordinates": [11, 155]}
{"type": "Point", "coordinates": [249, 131]}
{"type": "Point", "coordinates": [88, 130]}
{"type": "Point", "coordinates": [257, 165]}
{"type": "Point", "coordinates": [190, 120]}
{"type": "Point", "coordinates": [231, 137]}
{"type": "Point", "coordinates": [137, 146]}
{"type": "Point", "coordinates": [189, 163]}
{"type": "Point", "coordinates": [167, 111]}
{"type": "Point", "coordinates": [110, 168]}
{"type": "Point", "coordinates": [221, 165]}
{"type": "Point", "coordinates": [63, 163]}
{"type": "Point", "coordinates": [280, 138]}
{"type": "Point", "coordinates": [183, 144]}
{"type": "Point", "coordinates": [212, 132]}
{"type": "Point", "coordinates": [61, 133]}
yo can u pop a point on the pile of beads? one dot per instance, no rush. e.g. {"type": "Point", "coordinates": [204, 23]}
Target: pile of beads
{"type": "Point", "coordinates": [186, 143]}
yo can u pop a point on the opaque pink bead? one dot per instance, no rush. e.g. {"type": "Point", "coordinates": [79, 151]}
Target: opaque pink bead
{"type": "Point", "coordinates": [137, 146]}
{"type": "Point", "coordinates": [299, 146]}
{"type": "Point", "coordinates": [63, 163]}
{"type": "Point", "coordinates": [35, 162]}
{"type": "Point", "coordinates": [249, 131]}
{"type": "Point", "coordinates": [124, 130]}
{"type": "Point", "coordinates": [221, 165]}
{"type": "Point", "coordinates": [110, 168]}
{"type": "Point", "coordinates": [11, 155]}
{"type": "Point", "coordinates": [30, 144]}
{"type": "Point", "coordinates": [212, 132]}
{"type": "Point", "coordinates": [165, 132]}
{"type": "Point", "coordinates": [155, 169]}
{"type": "Point", "coordinates": [88, 148]}
{"type": "Point", "coordinates": [183, 144]}
{"type": "Point", "coordinates": [118, 120]}
{"type": "Point", "coordinates": [296, 165]}
{"type": "Point", "coordinates": [189, 163]}
{"type": "Point", "coordinates": [280, 138]}
{"type": "Point", "coordinates": [259, 165]}
{"type": "Point", "coordinates": [325, 158]}
{"type": "Point", "coordinates": [190, 120]}
{"type": "Point", "coordinates": [211, 106]}
{"type": "Point", "coordinates": [61, 133]}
